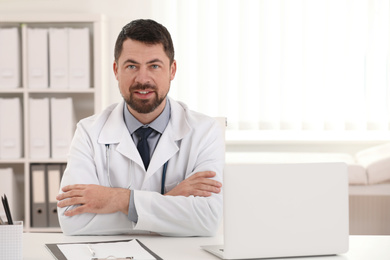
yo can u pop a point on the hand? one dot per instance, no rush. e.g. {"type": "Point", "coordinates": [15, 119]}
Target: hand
{"type": "Point", "coordinates": [93, 199]}
{"type": "Point", "coordinates": [198, 184]}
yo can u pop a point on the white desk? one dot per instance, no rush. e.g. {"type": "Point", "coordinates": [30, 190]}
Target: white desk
{"type": "Point", "coordinates": [176, 248]}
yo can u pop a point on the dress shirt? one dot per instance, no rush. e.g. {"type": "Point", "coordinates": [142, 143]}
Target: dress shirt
{"type": "Point", "coordinates": [158, 125]}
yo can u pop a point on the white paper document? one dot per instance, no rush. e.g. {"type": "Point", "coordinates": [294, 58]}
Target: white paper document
{"type": "Point", "coordinates": [105, 250]}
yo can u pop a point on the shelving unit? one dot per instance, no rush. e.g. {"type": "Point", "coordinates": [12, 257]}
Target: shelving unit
{"type": "Point", "coordinates": [86, 101]}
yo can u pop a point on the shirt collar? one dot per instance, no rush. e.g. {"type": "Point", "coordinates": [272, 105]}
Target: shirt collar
{"type": "Point", "coordinates": [159, 124]}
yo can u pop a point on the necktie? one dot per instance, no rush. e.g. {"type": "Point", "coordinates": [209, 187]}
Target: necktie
{"type": "Point", "coordinates": [143, 147]}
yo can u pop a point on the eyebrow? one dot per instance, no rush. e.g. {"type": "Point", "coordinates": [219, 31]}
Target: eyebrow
{"type": "Point", "coordinates": [155, 61]}
{"type": "Point", "coordinates": [149, 62]}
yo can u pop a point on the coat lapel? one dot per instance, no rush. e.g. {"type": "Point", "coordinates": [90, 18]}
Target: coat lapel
{"type": "Point", "coordinates": [167, 146]}
{"type": "Point", "coordinates": [115, 132]}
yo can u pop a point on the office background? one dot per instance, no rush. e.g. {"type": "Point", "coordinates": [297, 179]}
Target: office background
{"type": "Point", "coordinates": [279, 70]}
{"type": "Point", "coordinates": [295, 78]}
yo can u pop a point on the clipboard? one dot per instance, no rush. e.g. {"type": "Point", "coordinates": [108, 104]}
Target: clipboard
{"type": "Point", "coordinates": [58, 255]}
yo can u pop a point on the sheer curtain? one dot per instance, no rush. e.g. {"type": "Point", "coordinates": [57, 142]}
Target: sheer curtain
{"type": "Point", "coordinates": [282, 64]}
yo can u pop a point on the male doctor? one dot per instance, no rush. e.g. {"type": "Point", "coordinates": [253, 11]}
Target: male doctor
{"type": "Point", "coordinates": [167, 180]}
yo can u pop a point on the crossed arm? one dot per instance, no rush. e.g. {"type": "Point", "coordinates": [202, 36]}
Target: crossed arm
{"type": "Point", "coordinates": [100, 199]}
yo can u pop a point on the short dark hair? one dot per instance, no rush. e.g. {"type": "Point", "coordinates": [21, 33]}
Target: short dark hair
{"type": "Point", "coordinates": [145, 31]}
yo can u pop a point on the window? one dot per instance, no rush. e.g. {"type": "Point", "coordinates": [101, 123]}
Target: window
{"type": "Point", "coordinates": [296, 65]}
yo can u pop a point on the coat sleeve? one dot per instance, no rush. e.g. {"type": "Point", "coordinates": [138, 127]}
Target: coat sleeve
{"type": "Point", "coordinates": [82, 169]}
{"type": "Point", "coordinates": [187, 216]}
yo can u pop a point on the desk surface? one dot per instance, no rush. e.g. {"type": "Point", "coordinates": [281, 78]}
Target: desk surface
{"type": "Point", "coordinates": [172, 248]}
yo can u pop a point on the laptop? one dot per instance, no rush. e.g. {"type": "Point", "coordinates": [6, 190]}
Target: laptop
{"type": "Point", "coordinates": [284, 210]}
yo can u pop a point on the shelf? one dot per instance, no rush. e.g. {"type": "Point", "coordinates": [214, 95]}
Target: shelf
{"type": "Point", "coordinates": [11, 161]}
{"type": "Point", "coordinates": [49, 160]}
{"type": "Point", "coordinates": [52, 18]}
{"type": "Point", "coordinates": [47, 91]}
{"type": "Point", "coordinates": [7, 91]}
{"type": "Point", "coordinates": [63, 91]}
{"type": "Point", "coordinates": [86, 101]}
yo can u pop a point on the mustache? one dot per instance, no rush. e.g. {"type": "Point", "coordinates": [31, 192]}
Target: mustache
{"type": "Point", "coordinates": [139, 86]}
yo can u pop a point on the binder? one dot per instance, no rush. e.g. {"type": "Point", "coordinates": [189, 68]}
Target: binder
{"type": "Point", "coordinates": [8, 186]}
{"type": "Point", "coordinates": [79, 58]}
{"type": "Point", "coordinates": [53, 187]}
{"type": "Point", "coordinates": [10, 128]}
{"type": "Point", "coordinates": [10, 64]}
{"type": "Point", "coordinates": [39, 216]}
{"type": "Point", "coordinates": [37, 58]}
{"type": "Point", "coordinates": [62, 126]}
{"type": "Point", "coordinates": [63, 167]}
{"type": "Point", "coordinates": [39, 128]}
{"type": "Point", "coordinates": [59, 58]}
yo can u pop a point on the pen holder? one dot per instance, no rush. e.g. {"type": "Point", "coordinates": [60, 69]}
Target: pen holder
{"type": "Point", "coordinates": [11, 241]}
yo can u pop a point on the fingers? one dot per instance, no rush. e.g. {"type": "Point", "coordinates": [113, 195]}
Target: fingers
{"type": "Point", "coordinates": [75, 211]}
{"type": "Point", "coordinates": [209, 188]}
{"type": "Point", "coordinates": [205, 177]}
{"type": "Point", "coordinates": [70, 201]}
{"type": "Point", "coordinates": [201, 193]}
{"type": "Point", "coordinates": [74, 187]}
{"type": "Point", "coordinates": [69, 192]}
{"type": "Point", "coordinates": [206, 189]}
{"type": "Point", "coordinates": [206, 174]}
{"type": "Point", "coordinates": [204, 182]}
{"type": "Point", "coordinates": [210, 182]}
{"type": "Point", "coordinates": [72, 195]}
{"type": "Point", "coordinates": [199, 184]}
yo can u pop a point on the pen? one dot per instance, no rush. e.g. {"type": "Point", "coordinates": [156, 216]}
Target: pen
{"type": "Point", "coordinates": [7, 210]}
{"type": "Point", "coordinates": [91, 250]}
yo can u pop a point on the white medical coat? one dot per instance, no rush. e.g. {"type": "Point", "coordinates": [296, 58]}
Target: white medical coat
{"type": "Point", "coordinates": [191, 142]}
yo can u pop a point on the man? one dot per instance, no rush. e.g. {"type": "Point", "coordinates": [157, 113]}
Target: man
{"type": "Point", "coordinates": [166, 182]}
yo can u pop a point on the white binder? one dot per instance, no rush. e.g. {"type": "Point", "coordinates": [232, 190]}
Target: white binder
{"type": "Point", "coordinates": [10, 67]}
{"type": "Point", "coordinates": [9, 187]}
{"type": "Point", "coordinates": [53, 188]}
{"type": "Point", "coordinates": [79, 58]}
{"type": "Point", "coordinates": [62, 126]}
{"type": "Point", "coordinates": [59, 58]}
{"type": "Point", "coordinates": [38, 196]}
{"type": "Point", "coordinates": [37, 58]}
{"type": "Point", "coordinates": [39, 128]}
{"type": "Point", "coordinates": [10, 128]}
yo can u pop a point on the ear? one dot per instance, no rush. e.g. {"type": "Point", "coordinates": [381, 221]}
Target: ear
{"type": "Point", "coordinates": [115, 68]}
{"type": "Point", "coordinates": [173, 69]}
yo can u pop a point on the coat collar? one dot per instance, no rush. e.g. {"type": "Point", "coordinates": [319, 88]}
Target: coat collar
{"type": "Point", "coordinates": [114, 131]}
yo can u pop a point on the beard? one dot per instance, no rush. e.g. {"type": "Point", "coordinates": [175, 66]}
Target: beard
{"type": "Point", "coordinates": [144, 106]}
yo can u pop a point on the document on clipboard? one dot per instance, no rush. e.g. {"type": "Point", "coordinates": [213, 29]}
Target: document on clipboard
{"type": "Point", "coordinates": [121, 249]}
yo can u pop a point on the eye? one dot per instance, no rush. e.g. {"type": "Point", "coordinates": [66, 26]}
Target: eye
{"type": "Point", "coordinates": [154, 66]}
{"type": "Point", "coordinates": [131, 67]}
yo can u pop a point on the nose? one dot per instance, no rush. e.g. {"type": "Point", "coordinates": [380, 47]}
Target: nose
{"type": "Point", "coordinates": [142, 76]}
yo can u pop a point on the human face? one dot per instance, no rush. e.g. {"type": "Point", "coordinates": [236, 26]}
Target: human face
{"type": "Point", "coordinates": [144, 75]}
